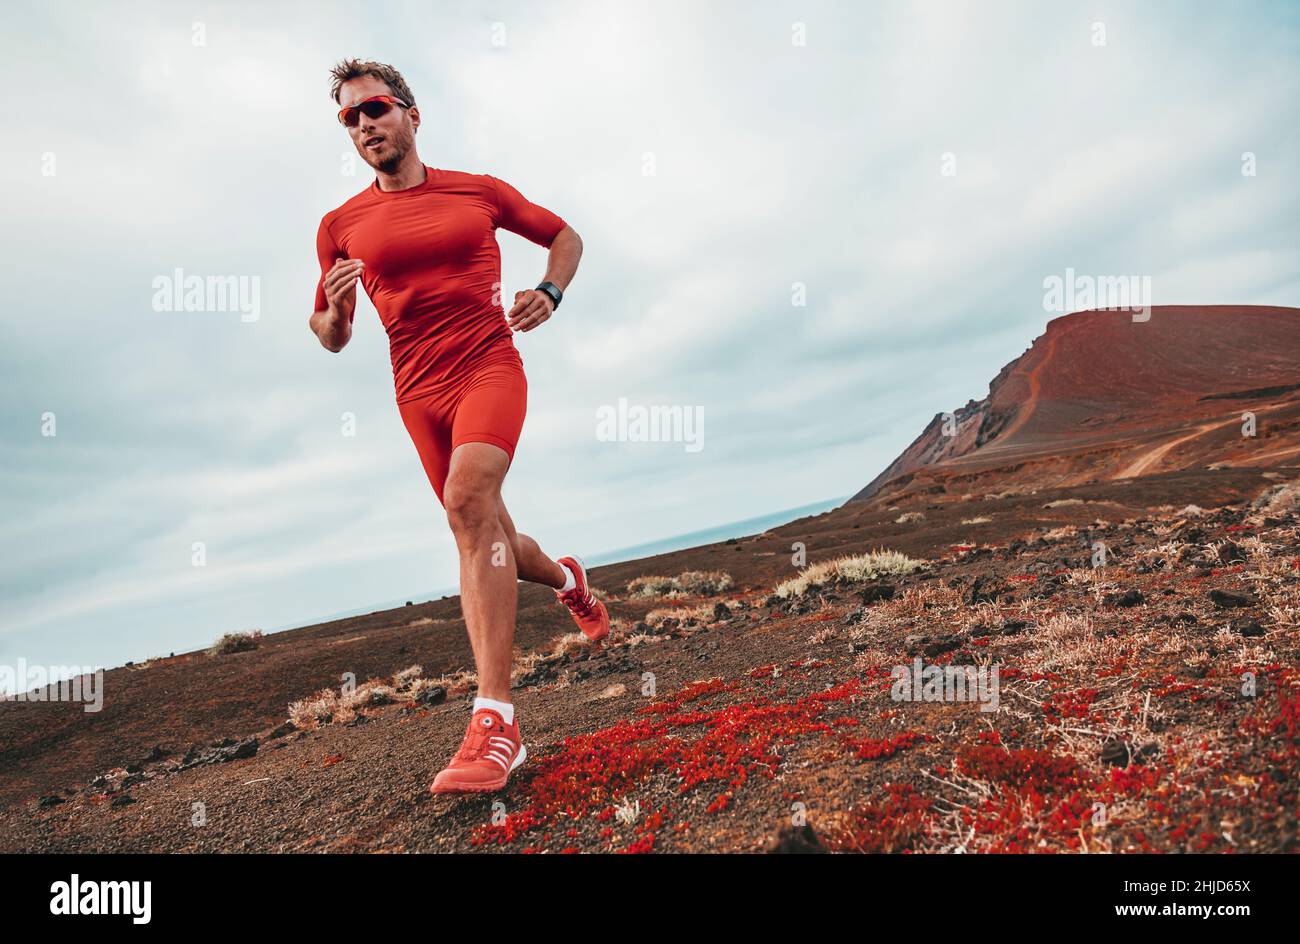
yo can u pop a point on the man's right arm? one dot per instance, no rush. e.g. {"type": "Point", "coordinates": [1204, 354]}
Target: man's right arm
{"type": "Point", "coordinates": [336, 293]}
{"type": "Point", "coordinates": [332, 328]}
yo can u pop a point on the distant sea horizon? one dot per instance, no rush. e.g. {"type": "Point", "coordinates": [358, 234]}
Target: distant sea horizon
{"type": "Point", "coordinates": [678, 542]}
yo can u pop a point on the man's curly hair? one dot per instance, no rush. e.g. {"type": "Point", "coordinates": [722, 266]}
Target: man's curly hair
{"type": "Point", "coordinates": [356, 68]}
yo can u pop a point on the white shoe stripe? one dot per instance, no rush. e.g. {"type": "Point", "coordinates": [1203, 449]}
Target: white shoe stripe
{"type": "Point", "coordinates": [506, 742]}
{"type": "Point", "coordinates": [497, 759]}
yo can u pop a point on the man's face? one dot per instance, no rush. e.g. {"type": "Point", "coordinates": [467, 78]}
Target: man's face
{"type": "Point", "coordinates": [384, 141]}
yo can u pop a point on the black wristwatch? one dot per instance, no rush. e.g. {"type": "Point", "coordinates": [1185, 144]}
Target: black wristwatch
{"type": "Point", "coordinates": [553, 290]}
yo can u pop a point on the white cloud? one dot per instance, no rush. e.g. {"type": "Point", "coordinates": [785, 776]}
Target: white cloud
{"type": "Point", "coordinates": [773, 164]}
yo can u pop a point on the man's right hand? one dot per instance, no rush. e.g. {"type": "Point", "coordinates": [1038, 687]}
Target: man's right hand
{"type": "Point", "coordinates": [340, 285]}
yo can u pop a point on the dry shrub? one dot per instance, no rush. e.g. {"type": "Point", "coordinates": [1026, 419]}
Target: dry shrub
{"type": "Point", "coordinates": [236, 642]}
{"type": "Point", "coordinates": [655, 586]}
{"type": "Point", "coordinates": [407, 677]}
{"type": "Point", "coordinates": [692, 582]}
{"type": "Point", "coordinates": [1089, 578]}
{"type": "Point", "coordinates": [915, 602]}
{"type": "Point", "coordinates": [567, 645]}
{"type": "Point", "coordinates": [329, 706]}
{"type": "Point", "coordinates": [706, 581]}
{"type": "Point", "coordinates": [457, 683]}
{"type": "Point", "coordinates": [1280, 499]}
{"type": "Point", "coordinates": [824, 635]}
{"type": "Point", "coordinates": [1061, 533]}
{"type": "Point", "coordinates": [699, 614]}
{"type": "Point", "coordinates": [858, 567]}
{"type": "Point", "coordinates": [1072, 641]}
{"type": "Point", "coordinates": [314, 710]}
{"type": "Point", "coordinates": [371, 694]}
{"type": "Point", "coordinates": [420, 686]}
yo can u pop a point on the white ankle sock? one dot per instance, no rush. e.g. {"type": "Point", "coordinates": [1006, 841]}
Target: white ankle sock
{"type": "Point", "coordinates": [503, 708]}
{"type": "Point", "coordinates": [570, 579]}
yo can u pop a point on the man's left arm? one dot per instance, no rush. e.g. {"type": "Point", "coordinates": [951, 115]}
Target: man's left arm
{"type": "Point", "coordinates": [518, 214]}
{"type": "Point", "coordinates": [532, 307]}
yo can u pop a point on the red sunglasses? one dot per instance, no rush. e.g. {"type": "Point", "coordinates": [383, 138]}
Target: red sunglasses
{"type": "Point", "coordinates": [372, 107]}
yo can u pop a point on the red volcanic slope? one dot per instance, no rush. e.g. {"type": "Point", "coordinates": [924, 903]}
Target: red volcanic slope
{"type": "Point", "coordinates": [1099, 396]}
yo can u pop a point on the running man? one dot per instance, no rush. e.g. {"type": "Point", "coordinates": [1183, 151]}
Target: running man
{"type": "Point", "coordinates": [422, 241]}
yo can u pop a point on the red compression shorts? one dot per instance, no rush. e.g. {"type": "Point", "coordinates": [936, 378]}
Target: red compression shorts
{"type": "Point", "coordinates": [488, 407]}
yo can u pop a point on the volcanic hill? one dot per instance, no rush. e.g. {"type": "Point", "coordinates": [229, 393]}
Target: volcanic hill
{"type": "Point", "coordinates": [1101, 397]}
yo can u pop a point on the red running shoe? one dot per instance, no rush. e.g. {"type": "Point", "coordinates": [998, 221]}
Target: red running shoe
{"type": "Point", "coordinates": [588, 612]}
{"type": "Point", "coordinates": [490, 751]}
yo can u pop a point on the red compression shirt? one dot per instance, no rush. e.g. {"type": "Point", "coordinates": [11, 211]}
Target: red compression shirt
{"type": "Point", "coordinates": [431, 267]}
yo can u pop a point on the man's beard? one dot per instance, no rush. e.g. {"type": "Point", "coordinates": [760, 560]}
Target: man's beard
{"type": "Point", "coordinates": [389, 164]}
{"type": "Point", "coordinates": [391, 161]}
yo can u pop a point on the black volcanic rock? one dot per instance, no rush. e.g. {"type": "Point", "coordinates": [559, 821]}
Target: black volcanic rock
{"type": "Point", "coordinates": [1249, 628]}
{"type": "Point", "coordinates": [1126, 599]}
{"type": "Point", "coordinates": [1232, 599]}
{"type": "Point", "coordinates": [984, 589]}
{"type": "Point", "coordinates": [877, 591]}
{"type": "Point", "coordinates": [795, 840]}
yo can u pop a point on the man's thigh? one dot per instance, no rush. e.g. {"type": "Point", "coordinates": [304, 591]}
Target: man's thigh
{"type": "Point", "coordinates": [476, 470]}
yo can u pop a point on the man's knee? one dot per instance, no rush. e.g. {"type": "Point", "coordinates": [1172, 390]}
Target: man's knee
{"type": "Point", "coordinates": [471, 507]}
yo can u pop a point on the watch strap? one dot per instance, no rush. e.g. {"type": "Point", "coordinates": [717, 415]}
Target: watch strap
{"type": "Point", "coordinates": [553, 290]}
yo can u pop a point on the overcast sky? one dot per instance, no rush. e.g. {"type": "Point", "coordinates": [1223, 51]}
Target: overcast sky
{"type": "Point", "coordinates": [712, 157]}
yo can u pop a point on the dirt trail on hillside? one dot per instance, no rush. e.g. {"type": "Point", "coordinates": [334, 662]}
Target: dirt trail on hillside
{"type": "Point", "coordinates": [1149, 460]}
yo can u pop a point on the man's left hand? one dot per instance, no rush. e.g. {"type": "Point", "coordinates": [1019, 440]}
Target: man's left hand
{"type": "Point", "coordinates": [531, 309]}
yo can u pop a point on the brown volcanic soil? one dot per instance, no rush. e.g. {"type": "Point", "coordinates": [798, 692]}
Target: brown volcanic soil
{"type": "Point", "coordinates": [1100, 397]}
{"type": "Point", "coordinates": [777, 703]}
{"type": "Point", "coordinates": [1121, 725]}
